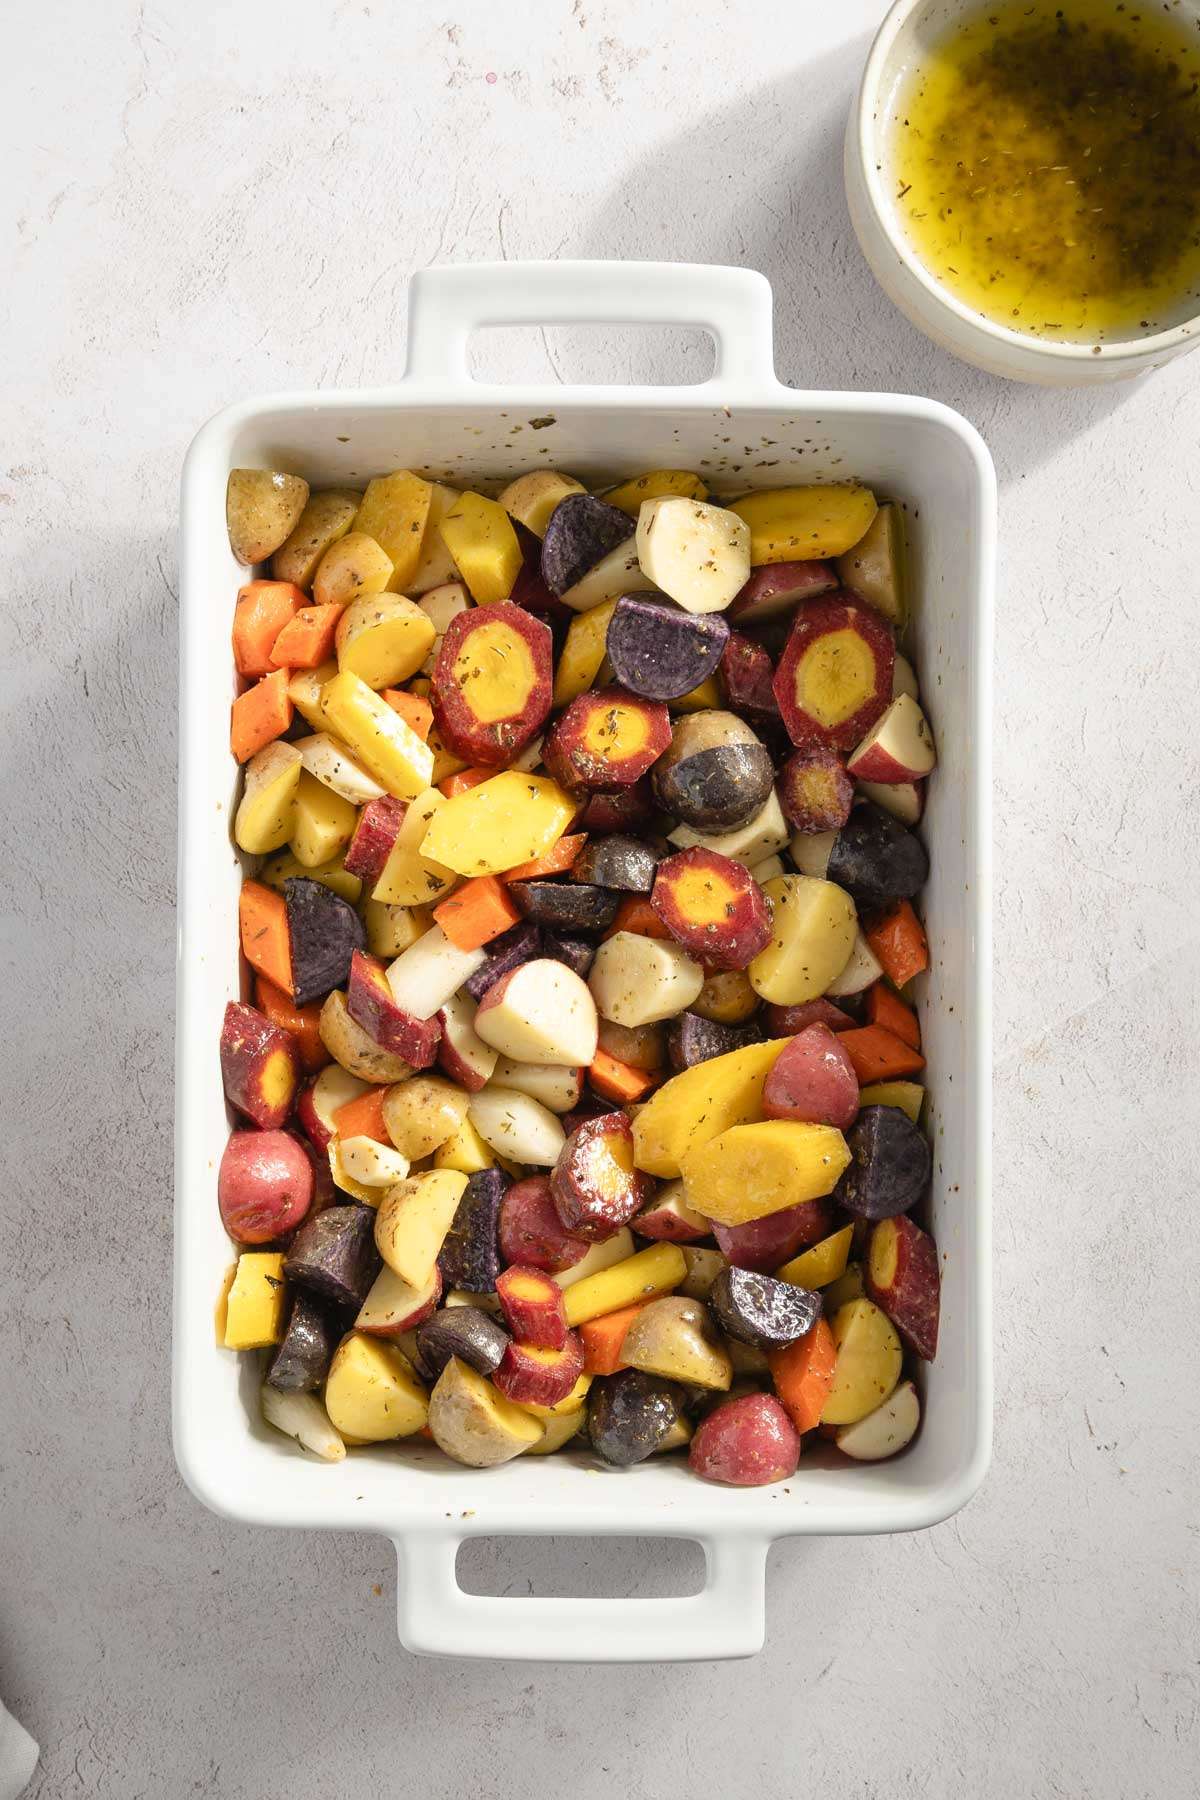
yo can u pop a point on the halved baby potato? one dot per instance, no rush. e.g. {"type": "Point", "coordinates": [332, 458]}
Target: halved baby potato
{"type": "Point", "coordinates": [266, 811]}
{"type": "Point", "coordinates": [372, 1392]}
{"type": "Point", "coordinates": [473, 1422]}
{"type": "Point", "coordinates": [352, 567]}
{"type": "Point", "coordinates": [383, 638]}
{"type": "Point", "coordinates": [813, 929]}
{"type": "Point", "coordinates": [262, 507]}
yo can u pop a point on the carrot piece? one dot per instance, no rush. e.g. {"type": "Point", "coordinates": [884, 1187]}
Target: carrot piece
{"type": "Point", "coordinates": [266, 940]}
{"type": "Point", "coordinates": [616, 1080]}
{"type": "Point", "coordinates": [263, 712]}
{"type": "Point", "coordinates": [886, 1008]}
{"type": "Point", "coordinates": [636, 914]}
{"type": "Point", "coordinates": [476, 912]}
{"type": "Point", "coordinates": [304, 1022]}
{"type": "Point", "coordinates": [466, 778]}
{"type": "Point", "coordinates": [263, 609]}
{"type": "Point", "coordinates": [363, 1116]}
{"type": "Point", "coordinates": [898, 939]}
{"type": "Point", "coordinates": [603, 1338]}
{"type": "Point", "coordinates": [306, 641]}
{"type": "Point", "coordinates": [803, 1375]}
{"type": "Point", "coordinates": [879, 1055]}
{"type": "Point", "coordinates": [414, 709]}
{"type": "Point", "coordinates": [556, 860]}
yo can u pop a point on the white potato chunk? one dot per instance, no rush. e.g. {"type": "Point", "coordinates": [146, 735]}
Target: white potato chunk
{"type": "Point", "coordinates": [759, 837]}
{"type": "Point", "coordinates": [441, 604]}
{"type": "Point", "coordinates": [554, 1084]}
{"type": "Point", "coordinates": [424, 976]}
{"type": "Point", "coordinates": [542, 1012]}
{"type": "Point", "coordinates": [886, 1430]}
{"type": "Point", "coordinates": [697, 553]}
{"type": "Point", "coordinates": [517, 1126]}
{"type": "Point", "coordinates": [639, 980]}
{"type": "Point", "coordinates": [329, 762]}
{"type": "Point", "coordinates": [373, 1164]}
{"type": "Point", "coordinates": [863, 968]}
{"type": "Point", "coordinates": [811, 851]}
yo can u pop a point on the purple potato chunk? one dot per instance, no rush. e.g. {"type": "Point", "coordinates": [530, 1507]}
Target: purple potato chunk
{"type": "Point", "coordinates": [630, 1414]}
{"type": "Point", "coordinates": [334, 1254]}
{"type": "Point", "coordinates": [519, 944]}
{"type": "Point", "coordinates": [470, 1256]}
{"type": "Point", "coordinates": [625, 863]}
{"type": "Point", "coordinates": [314, 1330]}
{"type": "Point", "coordinates": [876, 859]}
{"type": "Point", "coordinates": [660, 651]}
{"type": "Point", "coordinates": [581, 530]}
{"type": "Point", "coordinates": [325, 931]}
{"type": "Point", "coordinates": [757, 1309]}
{"type": "Point", "coordinates": [625, 809]}
{"type": "Point", "coordinates": [576, 953]}
{"type": "Point", "coordinates": [464, 1331]}
{"type": "Point", "coordinates": [889, 1167]}
{"type": "Point", "coordinates": [692, 1040]}
{"type": "Point", "coordinates": [565, 905]}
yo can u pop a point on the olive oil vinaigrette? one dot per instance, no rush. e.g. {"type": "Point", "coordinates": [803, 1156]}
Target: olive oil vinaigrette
{"type": "Point", "coordinates": [1046, 161]}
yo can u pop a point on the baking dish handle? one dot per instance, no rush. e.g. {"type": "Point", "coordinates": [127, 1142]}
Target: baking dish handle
{"type": "Point", "coordinates": [725, 1619]}
{"type": "Point", "coordinates": [445, 305]}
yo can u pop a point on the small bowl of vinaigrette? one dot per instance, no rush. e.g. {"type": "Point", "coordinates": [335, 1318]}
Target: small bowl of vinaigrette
{"type": "Point", "coordinates": [1024, 179]}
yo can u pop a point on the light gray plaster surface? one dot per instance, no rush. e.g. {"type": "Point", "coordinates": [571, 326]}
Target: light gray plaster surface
{"type": "Point", "coordinates": [207, 201]}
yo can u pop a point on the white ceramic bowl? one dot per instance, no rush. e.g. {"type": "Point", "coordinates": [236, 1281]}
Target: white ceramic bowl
{"type": "Point", "coordinates": [900, 44]}
{"type": "Point", "coordinates": [440, 420]}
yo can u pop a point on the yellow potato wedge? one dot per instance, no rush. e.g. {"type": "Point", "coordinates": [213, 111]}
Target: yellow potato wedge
{"type": "Point", "coordinates": [384, 639]}
{"type": "Point", "coordinates": [372, 1393]}
{"type": "Point", "coordinates": [322, 822]}
{"type": "Point", "coordinates": [799, 524]}
{"type": "Point", "coordinates": [267, 807]}
{"type": "Point", "coordinates": [256, 1302]}
{"type": "Point", "coordinates": [327, 516]}
{"type": "Point", "coordinates": [506, 820]}
{"type": "Point", "coordinates": [395, 512]}
{"type": "Point", "coordinates": [478, 534]}
{"type": "Point", "coordinates": [413, 1219]}
{"type": "Point", "coordinates": [813, 929]}
{"type": "Point", "coordinates": [408, 877]}
{"type": "Point", "coordinates": [473, 1422]}
{"type": "Point", "coordinates": [353, 566]}
{"type": "Point", "coordinates": [532, 498]}
{"type": "Point", "coordinates": [630, 494]}
{"type": "Point", "coordinates": [381, 740]}
{"type": "Point", "coordinates": [869, 1360]}
{"type": "Point", "coordinates": [700, 1103]}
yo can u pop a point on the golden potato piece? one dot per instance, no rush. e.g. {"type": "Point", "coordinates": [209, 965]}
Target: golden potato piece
{"type": "Point", "coordinates": [868, 1364]}
{"type": "Point", "coordinates": [327, 516]}
{"type": "Point", "coordinates": [384, 639]}
{"type": "Point", "coordinates": [813, 928]}
{"type": "Point", "coordinates": [395, 512]}
{"type": "Point", "coordinates": [355, 565]}
{"type": "Point", "coordinates": [799, 524]}
{"type": "Point", "coordinates": [422, 1113]}
{"type": "Point", "coordinates": [372, 1393]}
{"type": "Point", "coordinates": [266, 810]}
{"type": "Point", "coordinates": [676, 1338]}
{"type": "Point", "coordinates": [262, 506]}
{"type": "Point", "coordinates": [752, 1170]}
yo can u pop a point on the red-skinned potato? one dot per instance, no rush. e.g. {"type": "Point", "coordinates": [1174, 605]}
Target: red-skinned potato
{"type": "Point", "coordinates": [531, 1232]}
{"type": "Point", "coordinates": [319, 1101]}
{"type": "Point", "coordinates": [812, 1079]}
{"type": "Point", "coordinates": [904, 1281]}
{"type": "Point", "coordinates": [264, 1186]}
{"type": "Point", "coordinates": [776, 589]}
{"type": "Point", "coordinates": [762, 1244]}
{"type": "Point", "coordinates": [462, 1053]}
{"type": "Point", "coordinates": [595, 1186]}
{"type": "Point", "coordinates": [540, 1012]}
{"type": "Point", "coordinates": [897, 746]}
{"type": "Point", "coordinates": [815, 792]}
{"type": "Point", "coordinates": [532, 1376]}
{"type": "Point", "coordinates": [748, 1442]}
{"type": "Point", "coordinates": [260, 1067]}
{"type": "Point", "coordinates": [374, 835]}
{"type": "Point", "coordinates": [905, 800]}
{"type": "Point", "coordinates": [492, 682]}
{"type": "Point", "coordinates": [533, 1306]}
{"type": "Point", "coordinates": [668, 1219]}
{"type": "Point", "coordinates": [834, 678]}
{"type": "Point", "coordinates": [393, 1305]}
{"type": "Point", "coordinates": [786, 1021]}
{"type": "Point", "coordinates": [370, 1003]}
{"type": "Point", "coordinates": [606, 738]}
{"type": "Point", "coordinates": [713, 907]}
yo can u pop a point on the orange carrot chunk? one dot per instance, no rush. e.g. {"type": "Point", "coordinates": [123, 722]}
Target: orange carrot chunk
{"type": "Point", "coordinates": [898, 939]}
{"type": "Point", "coordinates": [603, 1338]}
{"type": "Point", "coordinates": [803, 1375]}
{"type": "Point", "coordinates": [879, 1055]}
{"type": "Point", "coordinates": [306, 641]}
{"type": "Point", "coordinates": [636, 914]}
{"type": "Point", "coordinates": [886, 1008]}
{"type": "Point", "coordinates": [617, 1080]}
{"type": "Point", "coordinates": [466, 778]}
{"type": "Point", "coordinates": [263, 712]}
{"type": "Point", "coordinates": [414, 709]}
{"type": "Point", "coordinates": [556, 861]}
{"type": "Point", "coordinates": [476, 912]}
{"type": "Point", "coordinates": [262, 611]}
{"type": "Point", "coordinates": [304, 1022]}
{"type": "Point", "coordinates": [363, 1116]}
{"type": "Point", "coordinates": [266, 941]}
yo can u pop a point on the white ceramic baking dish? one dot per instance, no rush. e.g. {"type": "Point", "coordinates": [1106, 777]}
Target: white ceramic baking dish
{"type": "Point", "coordinates": [741, 428]}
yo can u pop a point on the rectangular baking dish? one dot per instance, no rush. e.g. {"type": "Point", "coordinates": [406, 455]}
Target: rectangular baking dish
{"type": "Point", "coordinates": [741, 428]}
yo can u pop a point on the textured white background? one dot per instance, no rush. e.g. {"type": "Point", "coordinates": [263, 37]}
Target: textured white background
{"type": "Point", "coordinates": [208, 200]}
